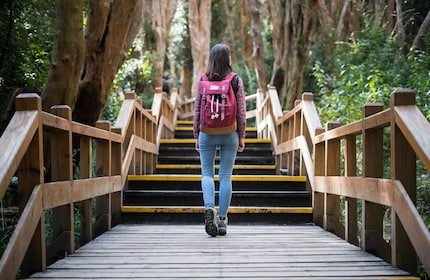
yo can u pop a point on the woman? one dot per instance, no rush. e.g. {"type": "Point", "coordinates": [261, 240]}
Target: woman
{"type": "Point", "coordinates": [229, 143]}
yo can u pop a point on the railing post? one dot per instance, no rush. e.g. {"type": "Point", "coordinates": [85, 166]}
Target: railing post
{"type": "Point", "coordinates": [85, 165]}
{"type": "Point", "coordinates": [350, 154]}
{"type": "Point", "coordinates": [62, 170]}
{"type": "Point", "coordinates": [30, 174]}
{"type": "Point", "coordinates": [319, 170]}
{"type": "Point", "coordinates": [116, 165]}
{"type": "Point", "coordinates": [103, 168]}
{"type": "Point", "coordinates": [332, 202]}
{"type": "Point", "coordinates": [403, 169]}
{"type": "Point", "coordinates": [373, 167]}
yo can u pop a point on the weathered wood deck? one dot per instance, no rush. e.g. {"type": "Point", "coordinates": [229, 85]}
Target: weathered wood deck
{"type": "Point", "coordinates": [246, 252]}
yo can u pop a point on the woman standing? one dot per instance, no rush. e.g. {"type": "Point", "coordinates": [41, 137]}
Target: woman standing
{"type": "Point", "coordinates": [229, 141]}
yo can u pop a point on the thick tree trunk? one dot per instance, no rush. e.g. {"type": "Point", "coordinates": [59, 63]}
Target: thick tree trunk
{"type": "Point", "coordinates": [162, 15]}
{"type": "Point", "coordinates": [276, 17]}
{"type": "Point", "coordinates": [67, 56]}
{"type": "Point", "coordinates": [245, 23]}
{"type": "Point", "coordinates": [107, 28]}
{"type": "Point", "coordinates": [200, 16]}
{"type": "Point", "coordinates": [417, 43]}
{"type": "Point", "coordinates": [257, 44]}
{"type": "Point", "coordinates": [399, 24]}
{"type": "Point", "coordinates": [300, 26]}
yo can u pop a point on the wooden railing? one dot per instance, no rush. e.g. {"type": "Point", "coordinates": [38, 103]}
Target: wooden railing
{"type": "Point", "coordinates": [305, 148]}
{"type": "Point", "coordinates": [92, 185]}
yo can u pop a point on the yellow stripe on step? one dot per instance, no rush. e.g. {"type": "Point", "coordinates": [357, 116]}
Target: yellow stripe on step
{"type": "Point", "coordinates": [232, 210]}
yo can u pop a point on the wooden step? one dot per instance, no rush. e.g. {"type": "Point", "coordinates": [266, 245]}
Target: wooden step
{"type": "Point", "coordinates": [196, 169]}
{"type": "Point", "coordinates": [237, 178]}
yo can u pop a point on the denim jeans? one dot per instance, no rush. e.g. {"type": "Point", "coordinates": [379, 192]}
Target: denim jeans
{"type": "Point", "coordinates": [227, 144]}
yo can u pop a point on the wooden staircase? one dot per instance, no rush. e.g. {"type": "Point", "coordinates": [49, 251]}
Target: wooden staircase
{"type": "Point", "coordinates": [173, 194]}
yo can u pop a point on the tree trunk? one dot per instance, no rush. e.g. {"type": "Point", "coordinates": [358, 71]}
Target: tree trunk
{"type": "Point", "coordinates": [257, 44]}
{"type": "Point", "coordinates": [276, 17]}
{"type": "Point", "coordinates": [107, 28]}
{"type": "Point", "coordinates": [162, 15]}
{"type": "Point", "coordinates": [399, 24]}
{"type": "Point", "coordinates": [418, 44]}
{"type": "Point", "coordinates": [300, 26]}
{"type": "Point", "coordinates": [228, 6]}
{"type": "Point", "coordinates": [67, 56]}
{"type": "Point", "coordinates": [200, 16]}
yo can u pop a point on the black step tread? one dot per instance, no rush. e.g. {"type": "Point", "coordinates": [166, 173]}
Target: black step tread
{"type": "Point", "coordinates": [246, 178]}
{"type": "Point", "coordinates": [191, 192]}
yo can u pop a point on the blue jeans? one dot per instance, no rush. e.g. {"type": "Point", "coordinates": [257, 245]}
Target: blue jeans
{"type": "Point", "coordinates": [227, 144]}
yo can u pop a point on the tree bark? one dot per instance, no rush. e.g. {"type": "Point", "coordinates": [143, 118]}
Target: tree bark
{"type": "Point", "coordinates": [276, 17]}
{"type": "Point", "coordinates": [67, 56]}
{"type": "Point", "coordinates": [200, 16]}
{"type": "Point", "coordinates": [300, 26]}
{"type": "Point", "coordinates": [417, 43]}
{"type": "Point", "coordinates": [257, 44]}
{"type": "Point", "coordinates": [399, 24]}
{"type": "Point", "coordinates": [107, 29]}
{"type": "Point", "coordinates": [162, 15]}
{"type": "Point", "coordinates": [245, 23]}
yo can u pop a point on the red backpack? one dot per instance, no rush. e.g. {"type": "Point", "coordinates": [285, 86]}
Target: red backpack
{"type": "Point", "coordinates": [218, 104]}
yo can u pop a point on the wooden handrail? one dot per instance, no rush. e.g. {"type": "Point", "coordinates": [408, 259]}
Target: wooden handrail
{"type": "Point", "coordinates": [299, 139]}
{"type": "Point", "coordinates": [135, 133]}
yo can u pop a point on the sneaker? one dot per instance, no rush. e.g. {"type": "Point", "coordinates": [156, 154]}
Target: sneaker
{"type": "Point", "coordinates": [222, 226]}
{"type": "Point", "coordinates": [211, 225]}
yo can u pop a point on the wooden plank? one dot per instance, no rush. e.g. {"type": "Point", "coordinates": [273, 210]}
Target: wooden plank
{"type": "Point", "coordinates": [246, 252]}
{"type": "Point", "coordinates": [21, 129]}
{"type": "Point", "coordinates": [20, 241]}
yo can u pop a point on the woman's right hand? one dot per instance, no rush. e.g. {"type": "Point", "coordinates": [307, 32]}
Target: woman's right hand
{"type": "Point", "coordinates": [197, 146]}
{"type": "Point", "coordinates": [241, 146]}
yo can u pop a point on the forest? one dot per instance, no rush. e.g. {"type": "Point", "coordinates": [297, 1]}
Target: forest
{"type": "Point", "coordinates": [87, 54]}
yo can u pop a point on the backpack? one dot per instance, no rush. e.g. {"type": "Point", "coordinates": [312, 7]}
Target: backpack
{"type": "Point", "coordinates": [218, 105]}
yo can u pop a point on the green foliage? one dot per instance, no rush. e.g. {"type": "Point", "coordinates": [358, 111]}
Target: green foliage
{"type": "Point", "coordinates": [26, 40]}
{"type": "Point", "coordinates": [366, 70]}
{"type": "Point", "coordinates": [113, 106]}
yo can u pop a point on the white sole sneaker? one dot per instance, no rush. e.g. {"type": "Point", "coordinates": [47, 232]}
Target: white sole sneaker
{"type": "Point", "coordinates": [211, 225]}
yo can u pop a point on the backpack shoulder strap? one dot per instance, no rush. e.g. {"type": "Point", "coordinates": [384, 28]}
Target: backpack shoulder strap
{"type": "Point", "coordinates": [235, 84]}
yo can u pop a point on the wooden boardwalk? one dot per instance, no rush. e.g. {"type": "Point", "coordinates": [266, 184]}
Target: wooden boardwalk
{"type": "Point", "coordinates": [246, 252]}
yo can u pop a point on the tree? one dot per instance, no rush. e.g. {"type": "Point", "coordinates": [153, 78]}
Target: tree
{"type": "Point", "coordinates": [299, 28]}
{"type": "Point", "coordinates": [67, 57]}
{"type": "Point", "coordinates": [199, 13]}
{"type": "Point", "coordinates": [108, 26]}
{"type": "Point", "coordinates": [161, 16]}
{"type": "Point", "coordinates": [257, 43]}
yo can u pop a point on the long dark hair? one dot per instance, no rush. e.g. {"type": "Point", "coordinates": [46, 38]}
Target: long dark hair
{"type": "Point", "coordinates": [219, 63]}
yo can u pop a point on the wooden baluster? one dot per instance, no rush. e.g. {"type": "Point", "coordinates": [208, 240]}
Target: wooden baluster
{"type": "Point", "coordinates": [85, 165]}
{"type": "Point", "coordinates": [373, 167]}
{"type": "Point", "coordinates": [332, 202]}
{"type": "Point", "coordinates": [138, 131]}
{"type": "Point", "coordinates": [150, 136]}
{"type": "Point", "coordinates": [404, 169]}
{"type": "Point", "coordinates": [319, 165]}
{"type": "Point", "coordinates": [30, 173]}
{"type": "Point", "coordinates": [116, 165]}
{"type": "Point", "coordinates": [63, 235]}
{"type": "Point", "coordinates": [297, 166]}
{"type": "Point", "coordinates": [103, 168]}
{"type": "Point", "coordinates": [350, 153]}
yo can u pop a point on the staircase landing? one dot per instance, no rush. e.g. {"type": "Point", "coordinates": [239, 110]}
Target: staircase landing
{"type": "Point", "coordinates": [246, 252]}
